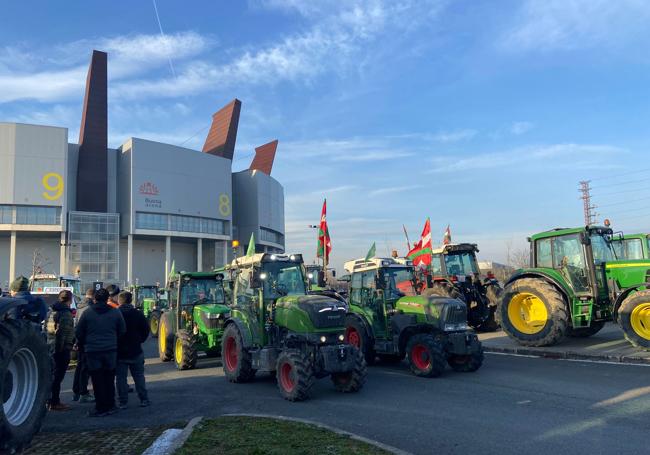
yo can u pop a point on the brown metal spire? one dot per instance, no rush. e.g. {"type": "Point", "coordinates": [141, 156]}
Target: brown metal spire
{"type": "Point", "coordinates": [264, 156]}
{"type": "Point", "coordinates": [223, 132]}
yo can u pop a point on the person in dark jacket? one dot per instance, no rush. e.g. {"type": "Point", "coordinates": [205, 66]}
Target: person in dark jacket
{"type": "Point", "coordinates": [129, 352]}
{"type": "Point", "coordinates": [80, 391]}
{"type": "Point", "coordinates": [60, 338]}
{"type": "Point", "coordinates": [98, 330]}
{"type": "Point", "coordinates": [36, 309]}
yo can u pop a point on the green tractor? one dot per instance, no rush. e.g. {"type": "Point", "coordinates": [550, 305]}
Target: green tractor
{"type": "Point", "coordinates": [632, 246]}
{"type": "Point", "coordinates": [147, 299]}
{"type": "Point", "coordinates": [275, 326]}
{"type": "Point", "coordinates": [388, 319]}
{"type": "Point", "coordinates": [574, 286]}
{"type": "Point", "coordinates": [194, 320]}
{"type": "Point", "coordinates": [454, 273]}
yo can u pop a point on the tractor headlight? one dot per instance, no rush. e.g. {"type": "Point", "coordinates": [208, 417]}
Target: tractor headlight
{"type": "Point", "coordinates": [341, 337]}
{"type": "Point", "coordinates": [323, 339]}
{"type": "Point", "coordinates": [292, 257]}
{"type": "Point", "coordinates": [455, 327]}
{"type": "Point", "coordinates": [214, 315]}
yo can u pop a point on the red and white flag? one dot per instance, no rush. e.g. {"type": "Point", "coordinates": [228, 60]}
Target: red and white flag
{"type": "Point", "coordinates": [421, 251]}
{"type": "Point", "coordinates": [446, 240]}
{"type": "Point", "coordinates": [324, 242]}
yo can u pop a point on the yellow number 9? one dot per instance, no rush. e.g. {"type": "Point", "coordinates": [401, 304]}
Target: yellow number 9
{"type": "Point", "coordinates": [52, 192]}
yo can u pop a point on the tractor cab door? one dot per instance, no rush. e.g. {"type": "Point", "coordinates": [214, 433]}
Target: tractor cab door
{"type": "Point", "coordinates": [566, 254]}
{"type": "Point", "coordinates": [364, 294]}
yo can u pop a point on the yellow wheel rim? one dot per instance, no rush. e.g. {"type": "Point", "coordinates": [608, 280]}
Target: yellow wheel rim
{"type": "Point", "coordinates": [527, 313]}
{"type": "Point", "coordinates": [162, 338]}
{"type": "Point", "coordinates": [640, 320]}
{"type": "Point", "coordinates": [178, 351]}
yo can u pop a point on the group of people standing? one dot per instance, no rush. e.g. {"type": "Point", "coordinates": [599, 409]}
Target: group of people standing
{"type": "Point", "coordinates": [108, 332]}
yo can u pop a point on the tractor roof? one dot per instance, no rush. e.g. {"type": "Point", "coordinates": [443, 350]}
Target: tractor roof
{"type": "Point", "coordinates": [258, 258]}
{"type": "Point", "coordinates": [565, 231]}
{"type": "Point", "coordinates": [634, 236]}
{"type": "Point", "coordinates": [455, 247]}
{"type": "Point", "coordinates": [359, 265]}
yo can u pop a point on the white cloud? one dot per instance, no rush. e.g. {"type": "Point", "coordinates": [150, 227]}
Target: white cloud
{"type": "Point", "coordinates": [572, 24]}
{"type": "Point", "coordinates": [344, 150]}
{"type": "Point", "coordinates": [393, 190]}
{"type": "Point", "coordinates": [454, 136]}
{"type": "Point", "coordinates": [519, 128]}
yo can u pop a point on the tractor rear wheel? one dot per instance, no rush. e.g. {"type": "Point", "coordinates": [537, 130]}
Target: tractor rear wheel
{"type": "Point", "coordinates": [493, 293]}
{"type": "Point", "coordinates": [25, 378]}
{"type": "Point", "coordinates": [425, 356]}
{"type": "Point", "coordinates": [295, 375]}
{"type": "Point", "coordinates": [165, 338]}
{"type": "Point", "coordinates": [634, 319]}
{"type": "Point", "coordinates": [357, 335]}
{"type": "Point", "coordinates": [154, 323]}
{"type": "Point", "coordinates": [352, 381]}
{"type": "Point", "coordinates": [533, 312]}
{"type": "Point", "coordinates": [584, 332]}
{"type": "Point", "coordinates": [185, 355]}
{"type": "Point", "coordinates": [466, 363]}
{"type": "Point", "coordinates": [443, 290]}
{"type": "Point", "coordinates": [237, 361]}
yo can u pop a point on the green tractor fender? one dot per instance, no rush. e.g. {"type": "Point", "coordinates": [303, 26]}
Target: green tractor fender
{"type": "Point", "coordinates": [244, 330]}
{"type": "Point", "coordinates": [624, 295]}
{"type": "Point", "coordinates": [364, 323]}
{"type": "Point", "coordinates": [407, 326]}
{"type": "Point", "coordinates": [549, 275]}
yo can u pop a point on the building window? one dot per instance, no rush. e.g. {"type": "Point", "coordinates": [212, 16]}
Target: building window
{"type": "Point", "coordinates": [179, 223]}
{"type": "Point", "coordinates": [6, 214]}
{"type": "Point", "coordinates": [38, 215]}
{"type": "Point", "coordinates": [269, 235]}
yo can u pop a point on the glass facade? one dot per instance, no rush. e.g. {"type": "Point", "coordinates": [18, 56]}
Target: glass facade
{"type": "Point", "coordinates": [30, 214]}
{"type": "Point", "coordinates": [93, 246]}
{"type": "Point", "coordinates": [179, 223]}
{"type": "Point", "coordinates": [269, 235]}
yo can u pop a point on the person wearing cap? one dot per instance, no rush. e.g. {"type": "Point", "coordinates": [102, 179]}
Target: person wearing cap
{"type": "Point", "coordinates": [60, 338]}
{"type": "Point", "coordinates": [113, 292]}
{"type": "Point", "coordinates": [98, 331]}
{"type": "Point", "coordinates": [80, 391]}
{"type": "Point", "coordinates": [35, 310]}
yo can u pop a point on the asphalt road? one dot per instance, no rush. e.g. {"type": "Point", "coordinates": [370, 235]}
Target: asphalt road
{"type": "Point", "coordinates": [517, 405]}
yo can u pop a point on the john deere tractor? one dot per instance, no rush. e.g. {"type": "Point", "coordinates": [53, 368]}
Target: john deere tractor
{"type": "Point", "coordinates": [275, 326]}
{"type": "Point", "coordinates": [454, 273]}
{"type": "Point", "coordinates": [25, 377]}
{"type": "Point", "coordinates": [631, 246]}
{"type": "Point", "coordinates": [388, 319]}
{"type": "Point", "coordinates": [195, 319]}
{"type": "Point", "coordinates": [574, 286]}
{"type": "Point", "coordinates": [147, 299]}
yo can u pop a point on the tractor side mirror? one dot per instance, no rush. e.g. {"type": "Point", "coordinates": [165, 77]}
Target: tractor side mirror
{"type": "Point", "coordinates": [321, 279]}
{"type": "Point", "coordinates": [333, 273]}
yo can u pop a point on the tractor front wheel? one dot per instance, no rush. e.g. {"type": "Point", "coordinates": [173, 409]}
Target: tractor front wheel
{"type": "Point", "coordinates": [357, 335]}
{"type": "Point", "coordinates": [352, 381]}
{"type": "Point", "coordinates": [533, 312]}
{"type": "Point", "coordinates": [185, 355]}
{"type": "Point", "coordinates": [237, 361]}
{"type": "Point", "coordinates": [584, 332]}
{"type": "Point", "coordinates": [466, 363]}
{"type": "Point", "coordinates": [493, 293]}
{"type": "Point", "coordinates": [634, 319]}
{"type": "Point", "coordinates": [165, 338]}
{"type": "Point", "coordinates": [295, 375]}
{"type": "Point", "coordinates": [154, 323]}
{"type": "Point", "coordinates": [425, 356]}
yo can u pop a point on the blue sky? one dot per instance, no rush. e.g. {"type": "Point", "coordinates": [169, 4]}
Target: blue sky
{"type": "Point", "coordinates": [482, 115]}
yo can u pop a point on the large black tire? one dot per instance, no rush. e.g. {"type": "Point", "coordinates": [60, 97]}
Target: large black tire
{"type": "Point", "coordinates": [425, 356]}
{"type": "Point", "coordinates": [584, 332]}
{"type": "Point", "coordinates": [237, 361]}
{"type": "Point", "coordinates": [357, 335]}
{"type": "Point", "coordinates": [443, 290]}
{"type": "Point", "coordinates": [295, 375]}
{"type": "Point", "coordinates": [528, 328]}
{"type": "Point", "coordinates": [352, 381]}
{"type": "Point", "coordinates": [25, 380]}
{"type": "Point", "coordinates": [466, 363]}
{"type": "Point", "coordinates": [165, 338]}
{"type": "Point", "coordinates": [634, 319]}
{"type": "Point", "coordinates": [493, 293]}
{"type": "Point", "coordinates": [154, 323]}
{"type": "Point", "coordinates": [185, 353]}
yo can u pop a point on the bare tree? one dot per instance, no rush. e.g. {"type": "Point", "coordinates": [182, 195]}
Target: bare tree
{"type": "Point", "coordinates": [519, 258]}
{"type": "Point", "coordinates": [39, 262]}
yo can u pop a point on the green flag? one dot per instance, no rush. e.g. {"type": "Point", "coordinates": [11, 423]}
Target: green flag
{"type": "Point", "coordinates": [251, 246]}
{"type": "Point", "coordinates": [172, 271]}
{"type": "Point", "coordinates": [371, 252]}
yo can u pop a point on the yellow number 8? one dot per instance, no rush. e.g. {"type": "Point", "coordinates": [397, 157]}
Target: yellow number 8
{"type": "Point", "coordinates": [56, 190]}
{"type": "Point", "coordinates": [224, 204]}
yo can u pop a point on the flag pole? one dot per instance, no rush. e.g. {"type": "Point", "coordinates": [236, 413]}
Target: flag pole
{"type": "Point", "coordinates": [408, 243]}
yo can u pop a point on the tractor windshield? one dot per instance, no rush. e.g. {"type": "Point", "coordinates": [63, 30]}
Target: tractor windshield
{"type": "Point", "coordinates": [205, 290]}
{"type": "Point", "coordinates": [399, 282]}
{"type": "Point", "coordinates": [74, 284]}
{"type": "Point", "coordinates": [312, 275]}
{"type": "Point", "coordinates": [283, 278]}
{"type": "Point", "coordinates": [602, 249]}
{"type": "Point", "coordinates": [628, 248]}
{"type": "Point", "coordinates": [461, 263]}
{"type": "Point", "coordinates": [147, 293]}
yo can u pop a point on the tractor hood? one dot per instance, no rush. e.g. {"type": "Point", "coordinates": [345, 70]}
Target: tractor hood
{"type": "Point", "coordinates": [211, 308]}
{"type": "Point", "coordinates": [210, 316]}
{"type": "Point", "coordinates": [445, 313]}
{"type": "Point", "coordinates": [309, 313]}
{"type": "Point", "coordinates": [628, 273]}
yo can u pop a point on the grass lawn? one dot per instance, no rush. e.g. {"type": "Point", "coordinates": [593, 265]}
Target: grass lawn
{"type": "Point", "coordinates": [267, 436]}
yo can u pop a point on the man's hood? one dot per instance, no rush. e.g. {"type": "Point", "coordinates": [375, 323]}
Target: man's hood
{"type": "Point", "coordinates": [101, 308]}
{"type": "Point", "coordinates": [58, 306]}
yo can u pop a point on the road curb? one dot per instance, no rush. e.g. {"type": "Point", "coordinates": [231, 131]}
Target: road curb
{"type": "Point", "coordinates": [357, 437]}
{"type": "Point", "coordinates": [567, 355]}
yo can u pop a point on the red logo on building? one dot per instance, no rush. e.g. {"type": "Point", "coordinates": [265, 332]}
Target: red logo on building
{"type": "Point", "coordinates": [149, 189]}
